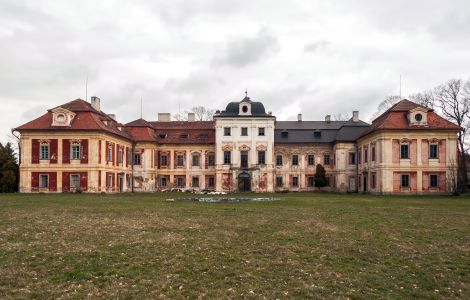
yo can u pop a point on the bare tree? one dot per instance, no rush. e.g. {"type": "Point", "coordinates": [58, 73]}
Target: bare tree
{"type": "Point", "coordinates": [386, 103]}
{"type": "Point", "coordinates": [453, 101]}
{"type": "Point", "coordinates": [201, 113]}
{"type": "Point", "coordinates": [452, 178]}
{"type": "Point", "coordinates": [341, 117]}
{"type": "Point", "coordinates": [425, 98]}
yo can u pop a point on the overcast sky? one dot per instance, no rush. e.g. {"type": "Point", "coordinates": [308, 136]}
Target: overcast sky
{"type": "Point", "coordinates": [313, 57]}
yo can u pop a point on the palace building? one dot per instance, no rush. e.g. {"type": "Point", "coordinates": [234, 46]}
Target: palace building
{"type": "Point", "coordinates": [76, 146]}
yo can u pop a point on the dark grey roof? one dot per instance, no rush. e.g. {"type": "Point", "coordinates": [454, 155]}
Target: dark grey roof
{"type": "Point", "coordinates": [329, 132]}
{"type": "Point", "coordinates": [232, 109]}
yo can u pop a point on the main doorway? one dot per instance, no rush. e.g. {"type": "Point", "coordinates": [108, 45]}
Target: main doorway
{"type": "Point", "coordinates": [244, 182]}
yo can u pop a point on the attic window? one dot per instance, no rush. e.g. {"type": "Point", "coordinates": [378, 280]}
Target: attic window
{"type": "Point", "coordinates": [184, 136]}
{"type": "Point", "coordinates": [317, 134]}
{"type": "Point", "coordinates": [162, 135]}
{"type": "Point", "coordinates": [106, 122]}
{"type": "Point", "coordinates": [245, 108]}
{"type": "Point", "coordinates": [418, 117]}
{"type": "Point", "coordinates": [284, 134]}
{"type": "Point", "coordinates": [203, 136]}
{"type": "Point", "coordinates": [60, 118]}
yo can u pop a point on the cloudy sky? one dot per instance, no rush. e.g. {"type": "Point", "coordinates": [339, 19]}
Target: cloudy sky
{"type": "Point", "coordinates": [313, 57]}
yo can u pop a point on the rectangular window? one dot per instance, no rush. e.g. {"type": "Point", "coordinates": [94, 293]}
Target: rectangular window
{"type": "Point", "coordinates": [179, 182]}
{"type": "Point", "coordinates": [75, 151]}
{"type": "Point", "coordinates": [179, 160]}
{"type": "Point", "coordinates": [244, 131]}
{"type": "Point", "coordinates": [404, 151]}
{"type": "Point", "coordinates": [359, 156]}
{"type": "Point", "coordinates": [43, 181]}
{"type": "Point", "coordinates": [163, 182]}
{"type": "Point", "coordinates": [311, 160]}
{"type": "Point", "coordinates": [44, 151]}
{"type": "Point", "coordinates": [211, 183]}
{"type": "Point", "coordinates": [244, 159]}
{"type": "Point", "coordinates": [326, 159]}
{"type": "Point", "coordinates": [278, 160]}
{"type": "Point", "coordinates": [373, 154]}
{"type": "Point", "coordinates": [352, 158]}
{"type": "Point", "coordinates": [261, 131]}
{"type": "Point", "coordinates": [295, 181]}
{"type": "Point", "coordinates": [279, 181]}
{"type": "Point", "coordinates": [227, 131]}
{"type": "Point", "coordinates": [310, 181]}
{"type": "Point", "coordinates": [110, 181]}
{"type": "Point", "coordinates": [75, 181]}
{"type": "Point", "coordinates": [110, 153]}
{"type": "Point", "coordinates": [295, 160]}
{"type": "Point", "coordinates": [195, 181]}
{"type": "Point", "coordinates": [120, 155]}
{"type": "Point", "coordinates": [164, 160]}
{"type": "Point", "coordinates": [405, 180]}
{"type": "Point", "coordinates": [433, 180]}
{"type": "Point", "coordinates": [433, 151]}
{"type": "Point", "coordinates": [261, 157]}
{"type": "Point", "coordinates": [227, 157]}
{"type": "Point", "coordinates": [211, 158]}
{"type": "Point", "coordinates": [137, 159]}
{"type": "Point", "coordinates": [366, 155]}
{"type": "Point", "coordinates": [195, 159]}
{"type": "Point", "coordinates": [373, 183]}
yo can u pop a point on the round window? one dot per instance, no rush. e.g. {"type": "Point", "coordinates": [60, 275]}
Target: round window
{"type": "Point", "coordinates": [245, 108]}
{"type": "Point", "coordinates": [60, 118]}
{"type": "Point", "coordinates": [418, 117]}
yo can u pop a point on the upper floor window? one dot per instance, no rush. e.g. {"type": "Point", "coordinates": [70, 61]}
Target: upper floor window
{"type": "Point", "coordinates": [278, 160]}
{"type": "Point", "coordinates": [137, 159]}
{"type": "Point", "coordinates": [244, 131]}
{"type": "Point", "coordinates": [295, 160]}
{"type": "Point", "coordinates": [366, 155]}
{"type": "Point", "coordinates": [227, 131]}
{"type": "Point", "coordinates": [195, 159]}
{"type": "Point", "coordinates": [261, 131]}
{"type": "Point", "coordinates": [433, 151]}
{"type": "Point", "coordinates": [261, 157]}
{"type": "Point", "coordinates": [311, 159]}
{"type": "Point", "coordinates": [110, 153]}
{"type": "Point", "coordinates": [75, 151]}
{"type": "Point", "coordinates": [120, 156]}
{"type": "Point", "coordinates": [352, 158]}
{"type": "Point", "coordinates": [211, 159]}
{"type": "Point", "coordinates": [373, 153]}
{"type": "Point", "coordinates": [164, 160]}
{"type": "Point", "coordinates": [227, 157]}
{"type": "Point", "coordinates": [326, 159]}
{"type": "Point", "coordinates": [179, 160]}
{"type": "Point", "coordinates": [44, 151]}
{"type": "Point", "coordinates": [404, 151]}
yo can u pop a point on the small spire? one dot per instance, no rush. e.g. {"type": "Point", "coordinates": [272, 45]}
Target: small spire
{"type": "Point", "coordinates": [246, 93]}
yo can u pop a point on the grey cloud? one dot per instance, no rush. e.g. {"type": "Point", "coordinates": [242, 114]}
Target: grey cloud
{"type": "Point", "coordinates": [316, 46]}
{"type": "Point", "coordinates": [245, 51]}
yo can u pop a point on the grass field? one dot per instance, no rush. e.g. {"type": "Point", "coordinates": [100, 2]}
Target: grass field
{"type": "Point", "coordinates": [304, 245]}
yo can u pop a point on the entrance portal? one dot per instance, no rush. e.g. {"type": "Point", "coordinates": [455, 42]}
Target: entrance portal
{"type": "Point", "coordinates": [244, 182]}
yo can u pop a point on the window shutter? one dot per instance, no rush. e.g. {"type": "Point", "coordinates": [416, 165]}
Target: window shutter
{"type": "Point", "coordinates": [106, 152]}
{"type": "Point", "coordinates": [99, 178]}
{"type": "Point", "coordinates": [53, 149]}
{"type": "Point", "coordinates": [65, 151]}
{"type": "Point", "coordinates": [53, 181]}
{"type": "Point", "coordinates": [184, 159]}
{"type": "Point", "coordinates": [158, 159]}
{"type": "Point", "coordinates": [99, 151]}
{"type": "Point", "coordinates": [83, 181]}
{"type": "Point", "coordinates": [65, 181]}
{"type": "Point", "coordinates": [115, 147]}
{"type": "Point", "coordinates": [175, 156]}
{"type": "Point", "coordinates": [206, 162]}
{"type": "Point", "coordinates": [35, 152]}
{"type": "Point", "coordinates": [127, 157]}
{"type": "Point", "coordinates": [34, 181]}
{"type": "Point", "coordinates": [84, 148]}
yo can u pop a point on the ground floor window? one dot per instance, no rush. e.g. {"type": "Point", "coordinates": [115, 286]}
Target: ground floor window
{"type": "Point", "coordinates": [279, 181]}
{"type": "Point", "coordinates": [110, 180]}
{"type": "Point", "coordinates": [163, 182]}
{"type": "Point", "coordinates": [75, 181]}
{"type": "Point", "coordinates": [43, 181]}
{"type": "Point", "coordinates": [433, 180]}
{"type": "Point", "coordinates": [405, 180]}
{"type": "Point", "coordinates": [195, 182]}
{"type": "Point", "coordinates": [295, 181]}
{"type": "Point", "coordinates": [179, 182]}
{"type": "Point", "coordinates": [211, 182]}
{"type": "Point", "coordinates": [373, 180]}
{"type": "Point", "coordinates": [310, 181]}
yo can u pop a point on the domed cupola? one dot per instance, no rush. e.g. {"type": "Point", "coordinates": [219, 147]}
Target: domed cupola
{"type": "Point", "coordinates": [244, 107]}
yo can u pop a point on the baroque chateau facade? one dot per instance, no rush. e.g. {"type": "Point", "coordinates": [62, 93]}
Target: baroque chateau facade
{"type": "Point", "coordinates": [408, 149]}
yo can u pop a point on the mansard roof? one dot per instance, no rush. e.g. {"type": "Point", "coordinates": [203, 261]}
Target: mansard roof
{"type": "Point", "coordinates": [395, 118]}
{"type": "Point", "coordinates": [233, 110]}
{"type": "Point", "coordinates": [297, 132]}
{"type": "Point", "coordinates": [86, 118]}
{"type": "Point", "coordinates": [184, 132]}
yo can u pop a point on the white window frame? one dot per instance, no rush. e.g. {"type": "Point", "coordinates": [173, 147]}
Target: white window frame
{"type": "Point", "coordinates": [261, 131]}
{"type": "Point", "coordinates": [72, 152]}
{"type": "Point", "coordinates": [437, 150]}
{"type": "Point", "coordinates": [139, 155]}
{"type": "Point", "coordinates": [74, 175]}
{"type": "Point", "coordinates": [41, 152]}
{"type": "Point", "coordinates": [197, 156]}
{"type": "Point", "coordinates": [178, 156]}
{"type": "Point", "coordinates": [41, 186]}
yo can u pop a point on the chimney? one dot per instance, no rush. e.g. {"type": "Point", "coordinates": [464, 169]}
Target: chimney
{"type": "Point", "coordinates": [328, 118]}
{"type": "Point", "coordinates": [95, 103]}
{"type": "Point", "coordinates": [270, 113]}
{"type": "Point", "coordinates": [355, 117]}
{"type": "Point", "coordinates": [299, 117]}
{"type": "Point", "coordinates": [191, 117]}
{"type": "Point", "coordinates": [164, 117]}
{"type": "Point", "coordinates": [112, 116]}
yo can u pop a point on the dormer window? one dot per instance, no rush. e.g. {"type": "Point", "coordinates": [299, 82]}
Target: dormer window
{"type": "Point", "coordinates": [317, 134]}
{"type": "Point", "coordinates": [62, 117]}
{"type": "Point", "coordinates": [162, 135]}
{"type": "Point", "coordinates": [418, 116]}
{"type": "Point", "coordinates": [184, 136]}
{"type": "Point", "coordinates": [284, 134]}
{"type": "Point", "coordinates": [244, 108]}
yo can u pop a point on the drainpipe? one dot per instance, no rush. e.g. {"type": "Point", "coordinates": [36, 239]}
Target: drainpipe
{"type": "Point", "coordinates": [357, 168]}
